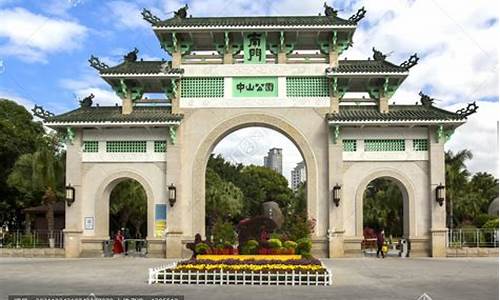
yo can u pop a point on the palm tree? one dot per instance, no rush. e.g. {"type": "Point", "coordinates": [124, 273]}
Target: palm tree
{"type": "Point", "coordinates": [41, 174]}
{"type": "Point", "coordinates": [456, 177]}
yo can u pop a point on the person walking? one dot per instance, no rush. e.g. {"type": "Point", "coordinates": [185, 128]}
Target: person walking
{"type": "Point", "coordinates": [380, 242]}
{"type": "Point", "coordinates": [118, 243]}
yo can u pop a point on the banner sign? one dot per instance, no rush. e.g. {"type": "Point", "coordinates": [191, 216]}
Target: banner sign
{"type": "Point", "coordinates": [254, 48]}
{"type": "Point", "coordinates": [160, 220]}
{"type": "Point", "coordinates": [255, 87]}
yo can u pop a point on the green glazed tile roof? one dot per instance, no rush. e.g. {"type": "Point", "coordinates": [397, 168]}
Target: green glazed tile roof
{"type": "Point", "coordinates": [142, 67]}
{"type": "Point", "coordinates": [404, 113]}
{"type": "Point", "coordinates": [114, 114]}
{"type": "Point", "coordinates": [256, 21]}
{"type": "Point", "coordinates": [345, 66]}
{"type": "Point", "coordinates": [368, 66]}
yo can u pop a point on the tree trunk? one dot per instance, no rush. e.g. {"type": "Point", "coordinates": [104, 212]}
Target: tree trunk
{"type": "Point", "coordinates": [49, 199]}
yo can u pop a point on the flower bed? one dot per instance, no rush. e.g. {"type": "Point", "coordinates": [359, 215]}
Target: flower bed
{"type": "Point", "coordinates": [251, 271]}
{"type": "Point", "coordinates": [247, 257]}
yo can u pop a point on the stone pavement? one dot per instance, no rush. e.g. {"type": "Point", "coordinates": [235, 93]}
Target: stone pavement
{"type": "Point", "coordinates": [354, 278]}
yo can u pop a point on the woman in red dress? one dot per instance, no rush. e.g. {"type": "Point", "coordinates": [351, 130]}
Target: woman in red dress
{"type": "Point", "coordinates": [118, 243]}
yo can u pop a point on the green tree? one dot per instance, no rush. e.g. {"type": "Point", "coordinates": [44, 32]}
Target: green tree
{"type": "Point", "coordinates": [224, 200]}
{"type": "Point", "coordinates": [261, 184]}
{"type": "Point", "coordinates": [457, 177]}
{"type": "Point", "coordinates": [383, 207]}
{"type": "Point", "coordinates": [18, 135]}
{"type": "Point", "coordinates": [128, 207]}
{"type": "Point", "coordinates": [40, 175]}
{"type": "Point", "coordinates": [226, 170]}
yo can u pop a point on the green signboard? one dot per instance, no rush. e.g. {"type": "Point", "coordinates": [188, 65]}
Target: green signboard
{"type": "Point", "coordinates": [255, 87]}
{"type": "Point", "coordinates": [254, 48]}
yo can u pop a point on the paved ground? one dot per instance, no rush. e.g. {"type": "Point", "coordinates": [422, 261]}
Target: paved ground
{"type": "Point", "coordinates": [360, 278]}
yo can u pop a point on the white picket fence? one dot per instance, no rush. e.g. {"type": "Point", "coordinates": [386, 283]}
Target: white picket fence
{"type": "Point", "coordinates": [166, 275]}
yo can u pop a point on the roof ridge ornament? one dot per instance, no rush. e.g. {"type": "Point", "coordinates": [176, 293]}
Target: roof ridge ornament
{"type": "Point", "coordinates": [149, 17]}
{"type": "Point", "coordinates": [97, 64]}
{"type": "Point", "coordinates": [360, 14]}
{"type": "Point", "coordinates": [426, 100]}
{"type": "Point", "coordinates": [378, 55]}
{"type": "Point", "coordinates": [412, 61]}
{"type": "Point", "coordinates": [43, 114]}
{"type": "Point", "coordinates": [181, 13]}
{"type": "Point", "coordinates": [87, 101]}
{"type": "Point", "coordinates": [131, 56]}
{"type": "Point", "coordinates": [468, 110]}
{"type": "Point", "coordinates": [329, 11]}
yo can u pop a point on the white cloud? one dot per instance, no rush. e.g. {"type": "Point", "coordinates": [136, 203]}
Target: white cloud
{"type": "Point", "coordinates": [32, 36]}
{"type": "Point", "coordinates": [126, 15]}
{"type": "Point", "coordinates": [480, 136]}
{"type": "Point", "coordinates": [28, 104]}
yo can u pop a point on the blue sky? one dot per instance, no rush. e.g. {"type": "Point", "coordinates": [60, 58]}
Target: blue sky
{"type": "Point", "coordinates": [45, 45]}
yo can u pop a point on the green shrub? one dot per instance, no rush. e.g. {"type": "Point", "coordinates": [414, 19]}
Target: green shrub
{"type": "Point", "coordinates": [491, 224]}
{"type": "Point", "coordinates": [201, 248]}
{"type": "Point", "coordinates": [276, 236]}
{"type": "Point", "coordinates": [304, 246]}
{"type": "Point", "coordinates": [481, 219]}
{"type": "Point", "coordinates": [274, 243]}
{"type": "Point", "coordinates": [250, 247]}
{"type": "Point", "coordinates": [290, 245]}
{"type": "Point", "coordinates": [223, 233]}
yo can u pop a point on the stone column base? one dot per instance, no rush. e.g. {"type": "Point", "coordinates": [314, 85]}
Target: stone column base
{"type": "Point", "coordinates": [352, 246]}
{"type": "Point", "coordinates": [173, 244]}
{"type": "Point", "coordinates": [336, 244]}
{"type": "Point", "coordinates": [439, 242]}
{"type": "Point", "coordinates": [156, 248]}
{"type": "Point", "coordinates": [72, 243]}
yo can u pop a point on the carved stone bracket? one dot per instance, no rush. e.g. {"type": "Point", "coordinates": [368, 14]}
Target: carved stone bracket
{"type": "Point", "coordinates": [283, 46]}
{"type": "Point", "coordinates": [172, 132]}
{"type": "Point", "coordinates": [443, 134]}
{"type": "Point", "coordinates": [335, 132]}
{"type": "Point", "coordinates": [172, 90]}
{"type": "Point", "coordinates": [68, 136]}
{"type": "Point", "coordinates": [176, 46]}
{"type": "Point", "coordinates": [228, 47]}
{"type": "Point", "coordinates": [125, 90]}
{"type": "Point", "coordinates": [339, 88]}
{"type": "Point", "coordinates": [335, 44]}
{"type": "Point", "coordinates": [386, 89]}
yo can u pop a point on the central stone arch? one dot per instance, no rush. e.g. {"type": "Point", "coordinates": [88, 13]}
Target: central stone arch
{"type": "Point", "coordinates": [250, 120]}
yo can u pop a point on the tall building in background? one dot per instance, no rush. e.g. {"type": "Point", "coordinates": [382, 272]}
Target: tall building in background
{"type": "Point", "coordinates": [274, 160]}
{"type": "Point", "coordinates": [298, 175]}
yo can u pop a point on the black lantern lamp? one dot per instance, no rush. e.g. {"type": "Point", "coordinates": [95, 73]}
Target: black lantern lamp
{"type": "Point", "coordinates": [440, 194]}
{"type": "Point", "coordinates": [336, 194]}
{"type": "Point", "coordinates": [172, 194]}
{"type": "Point", "coordinates": [70, 194]}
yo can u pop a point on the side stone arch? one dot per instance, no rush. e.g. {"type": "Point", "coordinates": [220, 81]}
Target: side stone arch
{"type": "Point", "coordinates": [242, 121]}
{"type": "Point", "coordinates": [407, 191]}
{"type": "Point", "coordinates": [103, 193]}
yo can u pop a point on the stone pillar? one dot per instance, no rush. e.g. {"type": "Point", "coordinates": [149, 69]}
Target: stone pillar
{"type": "Point", "coordinates": [176, 59]}
{"type": "Point", "coordinates": [127, 106]}
{"type": "Point", "coordinates": [383, 104]}
{"type": "Point", "coordinates": [436, 177]}
{"type": "Point", "coordinates": [73, 228]}
{"type": "Point", "coordinates": [336, 216]}
{"type": "Point", "coordinates": [334, 104]}
{"type": "Point", "coordinates": [175, 212]}
{"type": "Point", "coordinates": [228, 57]}
{"type": "Point", "coordinates": [175, 101]}
{"type": "Point", "coordinates": [281, 57]}
{"type": "Point", "coordinates": [333, 58]}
